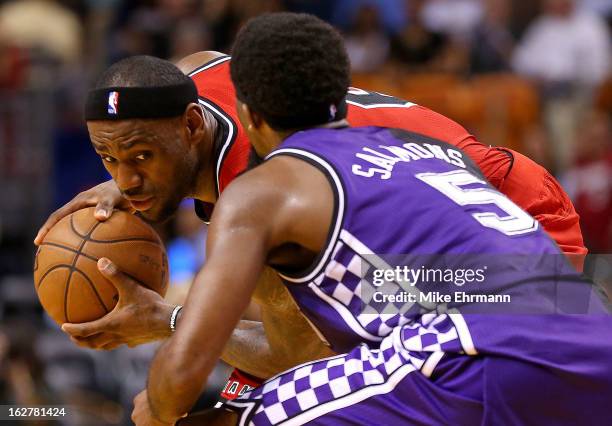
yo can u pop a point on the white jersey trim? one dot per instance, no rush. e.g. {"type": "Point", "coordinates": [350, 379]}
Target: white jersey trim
{"type": "Point", "coordinates": [226, 143]}
{"type": "Point", "coordinates": [346, 315]}
{"type": "Point", "coordinates": [463, 331]}
{"type": "Point", "coordinates": [219, 112]}
{"type": "Point", "coordinates": [247, 406]}
{"type": "Point", "coordinates": [431, 363]}
{"type": "Point", "coordinates": [361, 249]}
{"type": "Point", "coordinates": [209, 65]}
{"type": "Point", "coordinates": [406, 105]}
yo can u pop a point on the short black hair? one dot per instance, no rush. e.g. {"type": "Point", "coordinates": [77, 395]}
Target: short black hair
{"type": "Point", "coordinates": [292, 69]}
{"type": "Point", "coordinates": [141, 71]}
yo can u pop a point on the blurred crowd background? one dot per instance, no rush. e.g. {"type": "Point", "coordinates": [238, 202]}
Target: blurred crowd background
{"type": "Point", "coordinates": [535, 76]}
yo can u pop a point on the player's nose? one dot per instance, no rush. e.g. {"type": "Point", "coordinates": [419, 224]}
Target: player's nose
{"type": "Point", "coordinates": [128, 180]}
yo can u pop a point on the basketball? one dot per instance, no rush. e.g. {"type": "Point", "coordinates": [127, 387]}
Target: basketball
{"type": "Point", "coordinates": [68, 283]}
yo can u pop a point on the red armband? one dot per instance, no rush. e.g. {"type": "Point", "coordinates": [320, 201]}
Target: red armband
{"type": "Point", "coordinates": [239, 383]}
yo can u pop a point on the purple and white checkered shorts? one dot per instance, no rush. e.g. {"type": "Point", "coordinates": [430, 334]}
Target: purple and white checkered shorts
{"type": "Point", "coordinates": [385, 386]}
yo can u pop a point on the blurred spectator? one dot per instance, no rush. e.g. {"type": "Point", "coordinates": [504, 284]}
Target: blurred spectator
{"type": "Point", "coordinates": [142, 29]}
{"type": "Point", "coordinates": [177, 10]}
{"type": "Point", "coordinates": [536, 145]}
{"type": "Point", "coordinates": [421, 49]}
{"type": "Point", "coordinates": [366, 42]}
{"type": "Point", "coordinates": [522, 15]}
{"type": "Point", "coordinates": [567, 51]}
{"type": "Point", "coordinates": [21, 378]}
{"type": "Point", "coordinates": [453, 17]}
{"type": "Point", "coordinates": [324, 9]}
{"type": "Point", "coordinates": [77, 166]}
{"type": "Point", "coordinates": [43, 24]}
{"type": "Point", "coordinates": [13, 65]}
{"type": "Point", "coordinates": [603, 100]}
{"type": "Point", "coordinates": [227, 16]}
{"type": "Point", "coordinates": [4, 350]}
{"type": "Point", "coordinates": [565, 45]}
{"type": "Point", "coordinates": [602, 7]}
{"type": "Point", "coordinates": [188, 37]}
{"type": "Point", "coordinates": [188, 32]}
{"type": "Point", "coordinates": [223, 21]}
{"type": "Point", "coordinates": [151, 27]}
{"type": "Point", "coordinates": [491, 42]}
{"type": "Point", "coordinates": [391, 12]}
{"type": "Point", "coordinates": [589, 182]}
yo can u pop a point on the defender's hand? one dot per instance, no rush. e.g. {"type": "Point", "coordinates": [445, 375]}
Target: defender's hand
{"type": "Point", "coordinates": [140, 316]}
{"type": "Point", "coordinates": [104, 196]}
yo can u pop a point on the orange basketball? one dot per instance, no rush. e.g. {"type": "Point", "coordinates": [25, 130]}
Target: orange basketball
{"type": "Point", "coordinates": [68, 283]}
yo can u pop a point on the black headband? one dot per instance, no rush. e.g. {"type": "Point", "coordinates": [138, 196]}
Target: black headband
{"type": "Point", "coordinates": [121, 103]}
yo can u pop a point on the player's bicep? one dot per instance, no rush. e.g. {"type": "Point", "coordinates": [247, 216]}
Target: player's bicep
{"type": "Point", "coordinates": [254, 209]}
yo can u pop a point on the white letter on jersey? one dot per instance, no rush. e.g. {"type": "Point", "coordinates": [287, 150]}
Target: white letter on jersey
{"type": "Point", "coordinates": [377, 161]}
{"type": "Point", "coordinates": [438, 152]}
{"type": "Point", "coordinates": [418, 150]}
{"type": "Point", "coordinates": [357, 170]}
{"type": "Point", "coordinates": [456, 158]}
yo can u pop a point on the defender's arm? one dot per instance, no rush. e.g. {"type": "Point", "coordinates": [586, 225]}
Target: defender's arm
{"type": "Point", "coordinates": [238, 245]}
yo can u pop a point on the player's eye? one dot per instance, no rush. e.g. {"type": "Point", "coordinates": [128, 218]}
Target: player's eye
{"type": "Point", "coordinates": [143, 156]}
{"type": "Point", "coordinates": [107, 158]}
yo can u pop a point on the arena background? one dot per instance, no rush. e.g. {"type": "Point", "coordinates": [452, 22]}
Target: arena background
{"type": "Point", "coordinates": [535, 76]}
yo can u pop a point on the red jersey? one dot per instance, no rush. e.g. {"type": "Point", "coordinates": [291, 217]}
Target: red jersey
{"type": "Point", "coordinates": [526, 183]}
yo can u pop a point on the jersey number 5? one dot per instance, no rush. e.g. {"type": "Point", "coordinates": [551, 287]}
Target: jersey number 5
{"type": "Point", "coordinates": [515, 222]}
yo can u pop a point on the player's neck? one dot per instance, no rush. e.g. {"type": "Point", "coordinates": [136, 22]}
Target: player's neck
{"type": "Point", "coordinates": [271, 139]}
{"type": "Point", "coordinates": [339, 124]}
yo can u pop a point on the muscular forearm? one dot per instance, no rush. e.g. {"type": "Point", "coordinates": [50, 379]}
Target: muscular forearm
{"type": "Point", "coordinates": [292, 338]}
{"type": "Point", "coordinates": [180, 368]}
{"type": "Point", "coordinates": [175, 380]}
{"type": "Point", "coordinates": [248, 350]}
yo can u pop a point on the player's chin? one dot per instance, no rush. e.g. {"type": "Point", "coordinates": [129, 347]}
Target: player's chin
{"type": "Point", "coordinates": [159, 213]}
{"type": "Point", "coordinates": [152, 217]}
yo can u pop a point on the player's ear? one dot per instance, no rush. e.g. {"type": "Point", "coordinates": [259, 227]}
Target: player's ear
{"type": "Point", "coordinates": [249, 118]}
{"type": "Point", "coordinates": [194, 122]}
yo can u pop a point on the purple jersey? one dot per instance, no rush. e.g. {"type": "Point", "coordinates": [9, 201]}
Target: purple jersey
{"type": "Point", "coordinates": [403, 193]}
{"type": "Point", "coordinates": [403, 200]}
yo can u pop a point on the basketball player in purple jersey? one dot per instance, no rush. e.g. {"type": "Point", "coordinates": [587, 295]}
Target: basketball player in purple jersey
{"type": "Point", "coordinates": [324, 200]}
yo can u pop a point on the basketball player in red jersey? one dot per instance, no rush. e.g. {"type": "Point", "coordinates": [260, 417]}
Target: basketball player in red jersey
{"type": "Point", "coordinates": [522, 180]}
{"type": "Point", "coordinates": [288, 340]}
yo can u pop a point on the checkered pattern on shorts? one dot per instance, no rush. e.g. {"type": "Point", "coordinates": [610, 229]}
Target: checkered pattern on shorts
{"type": "Point", "coordinates": [302, 388]}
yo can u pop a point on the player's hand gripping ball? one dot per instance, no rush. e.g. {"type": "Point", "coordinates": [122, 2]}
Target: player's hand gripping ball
{"type": "Point", "coordinates": [69, 285]}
